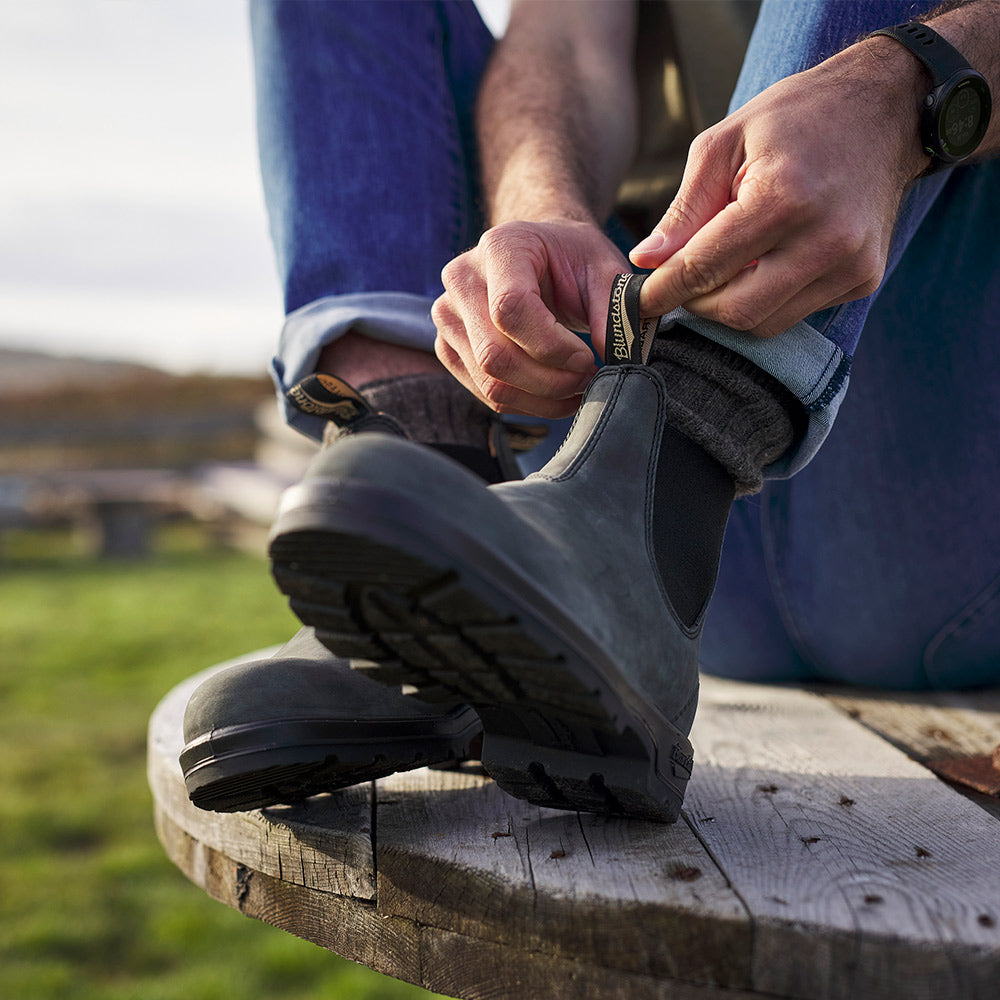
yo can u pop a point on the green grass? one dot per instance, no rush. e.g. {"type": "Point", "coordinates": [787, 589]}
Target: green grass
{"type": "Point", "coordinates": [89, 905]}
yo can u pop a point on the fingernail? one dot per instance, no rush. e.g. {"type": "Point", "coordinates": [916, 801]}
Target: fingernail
{"type": "Point", "coordinates": [653, 242]}
{"type": "Point", "coordinates": [581, 362]}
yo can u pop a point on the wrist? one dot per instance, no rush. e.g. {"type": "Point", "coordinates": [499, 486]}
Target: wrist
{"type": "Point", "coordinates": [895, 84]}
{"type": "Point", "coordinates": [530, 189]}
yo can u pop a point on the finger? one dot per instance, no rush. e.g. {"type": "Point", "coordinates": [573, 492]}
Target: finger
{"type": "Point", "coordinates": [598, 300]}
{"type": "Point", "coordinates": [810, 300]}
{"type": "Point", "coordinates": [786, 285]}
{"type": "Point", "coordinates": [716, 255]}
{"type": "Point", "coordinates": [517, 309]}
{"type": "Point", "coordinates": [777, 292]}
{"type": "Point", "coordinates": [500, 371]}
{"type": "Point", "coordinates": [705, 190]}
{"type": "Point", "coordinates": [451, 359]}
{"type": "Point", "coordinates": [516, 401]}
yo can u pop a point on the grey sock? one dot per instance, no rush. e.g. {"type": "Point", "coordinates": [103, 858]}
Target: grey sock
{"type": "Point", "coordinates": [434, 409]}
{"type": "Point", "coordinates": [739, 414]}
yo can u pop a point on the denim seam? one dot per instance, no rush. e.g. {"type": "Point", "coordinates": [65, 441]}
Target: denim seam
{"type": "Point", "coordinates": [969, 617]}
{"type": "Point", "coordinates": [819, 378]}
{"type": "Point", "coordinates": [456, 152]}
{"type": "Point", "coordinates": [833, 385]}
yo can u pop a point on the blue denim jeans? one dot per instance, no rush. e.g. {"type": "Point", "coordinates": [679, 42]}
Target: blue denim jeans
{"type": "Point", "coordinates": [879, 562]}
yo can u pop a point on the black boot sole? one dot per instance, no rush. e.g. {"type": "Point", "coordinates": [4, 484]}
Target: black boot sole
{"type": "Point", "coordinates": [253, 766]}
{"type": "Point", "coordinates": [389, 582]}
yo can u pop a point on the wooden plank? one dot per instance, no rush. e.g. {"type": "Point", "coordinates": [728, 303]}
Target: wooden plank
{"type": "Point", "coordinates": [864, 875]}
{"type": "Point", "coordinates": [324, 842]}
{"type": "Point", "coordinates": [954, 733]}
{"type": "Point", "coordinates": [457, 853]}
{"type": "Point", "coordinates": [816, 861]}
{"type": "Point", "coordinates": [484, 970]}
{"type": "Point", "coordinates": [438, 960]}
{"type": "Point", "coordinates": [348, 926]}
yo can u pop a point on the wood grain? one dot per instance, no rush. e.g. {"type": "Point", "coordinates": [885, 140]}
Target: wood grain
{"type": "Point", "coordinates": [864, 874]}
{"type": "Point", "coordinates": [944, 730]}
{"type": "Point", "coordinates": [456, 852]}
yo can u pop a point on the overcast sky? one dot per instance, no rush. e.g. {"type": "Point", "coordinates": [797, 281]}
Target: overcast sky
{"type": "Point", "coordinates": [131, 219]}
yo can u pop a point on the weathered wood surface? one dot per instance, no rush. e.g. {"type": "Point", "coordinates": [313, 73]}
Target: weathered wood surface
{"type": "Point", "coordinates": [815, 860]}
{"type": "Point", "coordinates": [954, 733]}
{"type": "Point", "coordinates": [863, 874]}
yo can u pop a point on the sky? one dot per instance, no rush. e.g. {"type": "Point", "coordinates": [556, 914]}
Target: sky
{"type": "Point", "coordinates": [132, 223]}
{"type": "Point", "coordinates": [131, 219]}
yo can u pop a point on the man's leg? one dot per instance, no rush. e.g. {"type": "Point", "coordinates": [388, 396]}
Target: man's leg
{"type": "Point", "coordinates": [878, 564]}
{"type": "Point", "coordinates": [813, 358]}
{"type": "Point", "coordinates": [850, 570]}
{"type": "Point", "coordinates": [368, 162]}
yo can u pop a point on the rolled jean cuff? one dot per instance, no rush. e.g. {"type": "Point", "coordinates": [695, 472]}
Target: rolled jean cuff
{"type": "Point", "coordinates": [392, 317]}
{"type": "Point", "coordinates": [812, 367]}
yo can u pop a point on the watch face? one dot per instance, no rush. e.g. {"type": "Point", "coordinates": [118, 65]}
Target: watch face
{"type": "Point", "coordinates": [964, 117]}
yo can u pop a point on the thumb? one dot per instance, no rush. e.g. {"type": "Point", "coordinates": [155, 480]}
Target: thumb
{"type": "Point", "coordinates": [705, 190]}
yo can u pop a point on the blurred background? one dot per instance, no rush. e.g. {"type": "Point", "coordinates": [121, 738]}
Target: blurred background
{"type": "Point", "coordinates": [140, 461]}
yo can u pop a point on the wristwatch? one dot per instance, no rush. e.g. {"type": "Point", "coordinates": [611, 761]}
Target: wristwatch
{"type": "Point", "coordinates": [956, 113]}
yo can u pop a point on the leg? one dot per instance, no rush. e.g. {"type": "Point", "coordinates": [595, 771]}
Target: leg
{"type": "Point", "coordinates": [878, 563]}
{"type": "Point", "coordinates": [367, 157]}
{"type": "Point", "coordinates": [874, 565]}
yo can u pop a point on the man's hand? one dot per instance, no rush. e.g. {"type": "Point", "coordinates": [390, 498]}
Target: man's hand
{"type": "Point", "coordinates": [510, 305]}
{"type": "Point", "coordinates": [788, 205]}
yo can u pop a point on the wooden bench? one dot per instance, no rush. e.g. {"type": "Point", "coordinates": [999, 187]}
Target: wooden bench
{"type": "Point", "coordinates": [815, 859]}
{"type": "Point", "coordinates": [116, 508]}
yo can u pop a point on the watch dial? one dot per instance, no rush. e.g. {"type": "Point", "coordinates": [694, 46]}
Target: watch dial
{"type": "Point", "coordinates": [961, 119]}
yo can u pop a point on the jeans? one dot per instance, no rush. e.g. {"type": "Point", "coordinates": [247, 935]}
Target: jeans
{"type": "Point", "coordinates": [879, 561]}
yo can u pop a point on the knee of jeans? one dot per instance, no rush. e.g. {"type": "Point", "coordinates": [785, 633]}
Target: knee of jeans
{"type": "Point", "coordinates": [966, 650]}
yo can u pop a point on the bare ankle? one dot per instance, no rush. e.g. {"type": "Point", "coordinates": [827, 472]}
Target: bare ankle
{"type": "Point", "coordinates": [360, 360]}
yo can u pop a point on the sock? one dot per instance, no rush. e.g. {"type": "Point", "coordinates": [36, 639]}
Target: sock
{"type": "Point", "coordinates": [743, 417]}
{"type": "Point", "coordinates": [438, 411]}
{"type": "Point", "coordinates": [727, 419]}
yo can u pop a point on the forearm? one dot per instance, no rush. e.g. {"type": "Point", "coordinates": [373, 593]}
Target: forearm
{"type": "Point", "coordinates": [556, 116]}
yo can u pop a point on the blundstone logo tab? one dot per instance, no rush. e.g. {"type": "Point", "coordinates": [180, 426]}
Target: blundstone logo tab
{"type": "Point", "coordinates": [628, 339]}
{"type": "Point", "coordinates": [683, 762]}
{"type": "Point", "coordinates": [329, 397]}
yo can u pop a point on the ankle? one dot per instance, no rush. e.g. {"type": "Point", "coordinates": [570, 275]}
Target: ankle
{"type": "Point", "coordinates": [743, 418]}
{"type": "Point", "coordinates": [360, 360]}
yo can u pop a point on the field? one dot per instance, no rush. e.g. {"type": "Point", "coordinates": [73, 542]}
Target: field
{"type": "Point", "coordinates": [89, 906]}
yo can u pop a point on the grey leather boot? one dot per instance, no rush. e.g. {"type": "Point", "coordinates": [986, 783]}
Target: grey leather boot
{"type": "Point", "coordinates": [550, 605]}
{"type": "Point", "coordinates": [300, 722]}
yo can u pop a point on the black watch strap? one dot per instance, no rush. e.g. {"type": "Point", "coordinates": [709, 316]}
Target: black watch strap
{"type": "Point", "coordinates": [941, 59]}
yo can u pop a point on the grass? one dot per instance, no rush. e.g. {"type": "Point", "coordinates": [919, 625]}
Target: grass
{"type": "Point", "coordinates": [89, 905]}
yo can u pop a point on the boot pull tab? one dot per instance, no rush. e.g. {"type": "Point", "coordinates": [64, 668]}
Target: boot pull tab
{"type": "Point", "coordinates": [628, 338]}
{"type": "Point", "coordinates": [323, 395]}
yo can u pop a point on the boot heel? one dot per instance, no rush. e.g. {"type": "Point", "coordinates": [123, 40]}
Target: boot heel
{"type": "Point", "coordinates": [562, 779]}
